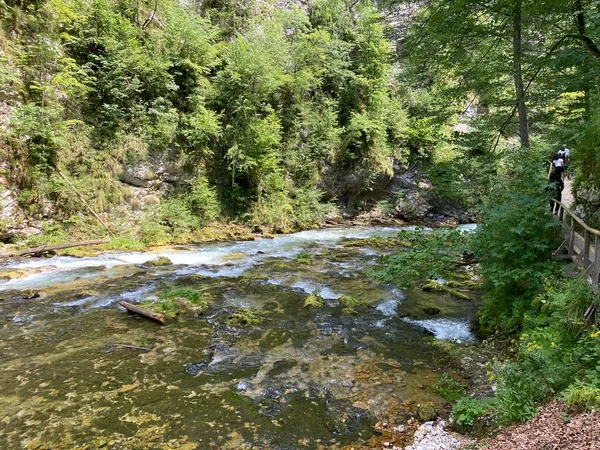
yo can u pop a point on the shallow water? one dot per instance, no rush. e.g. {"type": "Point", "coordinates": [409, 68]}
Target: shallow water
{"type": "Point", "coordinates": [302, 378]}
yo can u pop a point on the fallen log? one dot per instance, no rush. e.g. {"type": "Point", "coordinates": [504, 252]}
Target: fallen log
{"type": "Point", "coordinates": [143, 312]}
{"type": "Point", "coordinates": [36, 251]}
{"type": "Point", "coordinates": [131, 347]}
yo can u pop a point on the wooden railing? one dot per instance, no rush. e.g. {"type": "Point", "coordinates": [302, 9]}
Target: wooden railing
{"type": "Point", "coordinates": [582, 243]}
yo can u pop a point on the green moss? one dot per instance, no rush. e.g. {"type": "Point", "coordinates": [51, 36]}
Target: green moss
{"type": "Point", "coordinates": [123, 243]}
{"type": "Point", "coordinates": [435, 286]}
{"type": "Point", "coordinates": [304, 257]}
{"type": "Point", "coordinates": [465, 284]}
{"type": "Point", "coordinates": [458, 294]}
{"type": "Point", "coordinates": [245, 317]}
{"type": "Point", "coordinates": [350, 304]}
{"type": "Point", "coordinates": [314, 301]}
{"type": "Point", "coordinates": [160, 261]}
{"type": "Point", "coordinates": [192, 295]}
{"type": "Point", "coordinates": [178, 302]}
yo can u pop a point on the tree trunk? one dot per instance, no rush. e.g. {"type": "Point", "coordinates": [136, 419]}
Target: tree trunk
{"type": "Point", "coordinates": [519, 89]}
{"type": "Point", "coordinates": [47, 248]}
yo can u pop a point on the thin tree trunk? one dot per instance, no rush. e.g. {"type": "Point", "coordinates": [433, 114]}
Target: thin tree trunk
{"type": "Point", "coordinates": [519, 89]}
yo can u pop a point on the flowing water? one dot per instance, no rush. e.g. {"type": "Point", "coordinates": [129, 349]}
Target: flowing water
{"type": "Point", "coordinates": [301, 378]}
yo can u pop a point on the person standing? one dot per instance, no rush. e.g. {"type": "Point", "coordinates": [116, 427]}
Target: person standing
{"type": "Point", "coordinates": [559, 165]}
{"type": "Point", "coordinates": [566, 153]}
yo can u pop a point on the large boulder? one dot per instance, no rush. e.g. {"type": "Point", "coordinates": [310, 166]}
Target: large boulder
{"type": "Point", "coordinates": [413, 207]}
{"type": "Point", "coordinates": [140, 175]}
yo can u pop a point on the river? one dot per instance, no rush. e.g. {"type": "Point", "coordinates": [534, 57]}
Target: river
{"type": "Point", "coordinates": [300, 378]}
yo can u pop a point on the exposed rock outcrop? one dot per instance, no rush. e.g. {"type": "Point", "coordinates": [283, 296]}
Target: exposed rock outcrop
{"type": "Point", "coordinates": [587, 199]}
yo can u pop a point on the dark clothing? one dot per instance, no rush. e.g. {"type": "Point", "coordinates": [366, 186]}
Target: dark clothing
{"type": "Point", "coordinates": [555, 186]}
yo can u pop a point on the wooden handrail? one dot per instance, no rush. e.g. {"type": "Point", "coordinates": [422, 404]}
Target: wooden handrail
{"type": "Point", "coordinates": [575, 218]}
{"type": "Point", "coordinates": [579, 247]}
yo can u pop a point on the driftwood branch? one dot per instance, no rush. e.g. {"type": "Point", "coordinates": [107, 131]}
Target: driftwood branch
{"type": "Point", "coordinates": [36, 251]}
{"type": "Point", "coordinates": [142, 312]}
{"type": "Point", "coordinates": [131, 347]}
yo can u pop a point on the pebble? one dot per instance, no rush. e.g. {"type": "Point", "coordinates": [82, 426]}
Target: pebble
{"type": "Point", "coordinates": [432, 436]}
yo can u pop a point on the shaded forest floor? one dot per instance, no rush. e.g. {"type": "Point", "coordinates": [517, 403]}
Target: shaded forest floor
{"type": "Point", "coordinates": [554, 427]}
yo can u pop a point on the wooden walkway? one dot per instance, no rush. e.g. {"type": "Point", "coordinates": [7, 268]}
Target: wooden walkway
{"type": "Point", "coordinates": [581, 244]}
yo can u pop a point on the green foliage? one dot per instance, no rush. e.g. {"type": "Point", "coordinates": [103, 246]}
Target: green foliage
{"type": "Point", "coordinates": [192, 295]}
{"type": "Point", "coordinates": [515, 241]}
{"type": "Point", "coordinates": [179, 301]}
{"type": "Point", "coordinates": [203, 202]}
{"type": "Point", "coordinates": [304, 257]}
{"type": "Point", "coordinates": [449, 388]}
{"type": "Point", "coordinates": [429, 255]}
{"type": "Point", "coordinates": [467, 410]}
{"type": "Point", "coordinates": [554, 355]}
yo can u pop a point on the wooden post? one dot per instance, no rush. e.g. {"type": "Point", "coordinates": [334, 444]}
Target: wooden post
{"type": "Point", "coordinates": [561, 212]}
{"type": "Point", "coordinates": [571, 238]}
{"type": "Point", "coordinates": [596, 273]}
{"type": "Point", "coordinates": [586, 249]}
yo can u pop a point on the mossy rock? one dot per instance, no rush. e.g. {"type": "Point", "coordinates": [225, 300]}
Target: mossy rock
{"type": "Point", "coordinates": [458, 294]}
{"type": "Point", "coordinates": [465, 284]}
{"type": "Point", "coordinates": [235, 256]}
{"type": "Point", "coordinates": [436, 286]}
{"type": "Point", "coordinates": [179, 301]}
{"type": "Point", "coordinates": [433, 286]}
{"type": "Point", "coordinates": [160, 261]}
{"type": "Point", "coordinates": [14, 274]}
{"type": "Point", "coordinates": [304, 257]}
{"type": "Point", "coordinates": [350, 304]}
{"type": "Point", "coordinates": [246, 317]}
{"type": "Point", "coordinates": [314, 301]}
{"type": "Point", "coordinates": [432, 311]}
{"type": "Point", "coordinates": [426, 412]}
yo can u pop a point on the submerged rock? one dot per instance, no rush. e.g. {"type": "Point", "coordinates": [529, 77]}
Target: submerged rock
{"type": "Point", "coordinates": [160, 261]}
{"type": "Point", "coordinates": [431, 310]}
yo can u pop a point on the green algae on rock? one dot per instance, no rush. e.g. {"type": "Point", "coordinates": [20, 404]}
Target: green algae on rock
{"type": "Point", "coordinates": [314, 301]}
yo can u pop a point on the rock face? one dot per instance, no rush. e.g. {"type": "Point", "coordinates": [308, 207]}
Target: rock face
{"type": "Point", "coordinates": [405, 193]}
{"type": "Point", "coordinates": [13, 221]}
{"type": "Point", "coordinates": [141, 175]}
{"type": "Point", "coordinates": [587, 198]}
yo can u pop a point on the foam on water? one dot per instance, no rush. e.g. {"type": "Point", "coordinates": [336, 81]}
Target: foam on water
{"type": "Point", "coordinates": [446, 329]}
{"type": "Point", "coordinates": [245, 255]}
{"type": "Point", "coordinates": [389, 307]}
{"type": "Point", "coordinates": [309, 287]}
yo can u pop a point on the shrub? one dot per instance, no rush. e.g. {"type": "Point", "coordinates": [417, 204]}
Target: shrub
{"type": "Point", "coordinates": [449, 388]}
{"type": "Point", "coordinates": [202, 201]}
{"type": "Point", "coordinates": [515, 242]}
{"type": "Point", "coordinates": [467, 410]}
{"type": "Point", "coordinates": [429, 255]}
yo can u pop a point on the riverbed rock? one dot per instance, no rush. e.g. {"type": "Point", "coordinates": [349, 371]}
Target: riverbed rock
{"type": "Point", "coordinates": [433, 436]}
{"type": "Point", "coordinates": [29, 294]}
{"type": "Point", "coordinates": [426, 412]}
{"type": "Point", "coordinates": [160, 261]}
{"type": "Point", "coordinates": [432, 311]}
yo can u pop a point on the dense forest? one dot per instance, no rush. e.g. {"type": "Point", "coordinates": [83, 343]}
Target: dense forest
{"type": "Point", "coordinates": [278, 114]}
{"type": "Point", "coordinates": [168, 121]}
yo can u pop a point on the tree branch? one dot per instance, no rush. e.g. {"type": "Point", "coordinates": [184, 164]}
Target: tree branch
{"type": "Point", "coordinates": [581, 28]}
